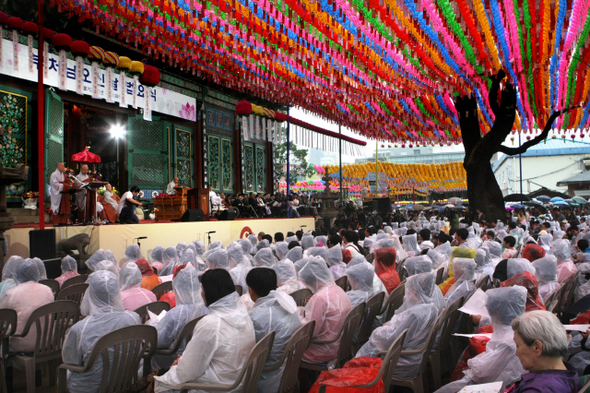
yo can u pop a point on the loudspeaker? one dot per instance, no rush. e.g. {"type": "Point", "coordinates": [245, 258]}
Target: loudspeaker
{"type": "Point", "coordinates": [193, 215]}
{"type": "Point", "coordinates": [228, 215]}
{"type": "Point", "coordinates": [384, 205]}
{"type": "Point", "coordinates": [42, 244]}
{"type": "Point", "coordinates": [52, 267]}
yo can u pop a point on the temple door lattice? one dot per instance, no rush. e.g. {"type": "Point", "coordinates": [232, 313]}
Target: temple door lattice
{"type": "Point", "coordinates": [148, 160]}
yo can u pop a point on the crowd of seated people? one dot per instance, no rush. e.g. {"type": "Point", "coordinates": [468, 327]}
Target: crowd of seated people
{"type": "Point", "coordinates": [258, 205]}
{"type": "Point", "coordinates": [529, 348]}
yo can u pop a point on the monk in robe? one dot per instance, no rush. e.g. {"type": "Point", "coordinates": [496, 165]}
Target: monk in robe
{"type": "Point", "coordinates": [60, 201]}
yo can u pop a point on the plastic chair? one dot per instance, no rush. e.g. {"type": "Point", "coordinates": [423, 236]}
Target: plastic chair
{"type": "Point", "coordinates": [484, 283]}
{"type": "Point", "coordinates": [73, 293]}
{"type": "Point", "coordinates": [51, 283]}
{"type": "Point", "coordinates": [239, 290]}
{"type": "Point", "coordinates": [342, 282]}
{"type": "Point", "coordinates": [419, 383]}
{"type": "Point", "coordinates": [186, 333]}
{"type": "Point", "coordinates": [250, 373]}
{"type": "Point", "coordinates": [394, 301]}
{"type": "Point", "coordinates": [162, 288]}
{"type": "Point", "coordinates": [74, 280]}
{"type": "Point", "coordinates": [370, 257]}
{"type": "Point", "coordinates": [8, 320]}
{"type": "Point", "coordinates": [291, 357]}
{"type": "Point", "coordinates": [345, 335]}
{"type": "Point", "coordinates": [121, 352]}
{"type": "Point", "coordinates": [571, 290]}
{"type": "Point", "coordinates": [586, 385]}
{"type": "Point", "coordinates": [448, 322]}
{"type": "Point", "coordinates": [372, 308]}
{"type": "Point", "coordinates": [51, 322]}
{"type": "Point", "coordinates": [551, 301]}
{"type": "Point", "coordinates": [391, 357]}
{"type": "Point", "coordinates": [301, 296]}
{"type": "Point", "coordinates": [155, 307]}
{"type": "Point", "coordinates": [440, 275]}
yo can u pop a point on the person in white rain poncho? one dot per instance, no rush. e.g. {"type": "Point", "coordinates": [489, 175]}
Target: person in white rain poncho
{"type": "Point", "coordinates": [463, 269]}
{"type": "Point", "coordinates": [295, 254]}
{"type": "Point", "coordinates": [41, 268]}
{"type": "Point", "coordinates": [445, 249]}
{"type": "Point", "coordinates": [188, 257]}
{"type": "Point", "coordinates": [307, 241]}
{"type": "Point", "coordinates": [104, 313]}
{"type": "Point", "coordinates": [199, 247]}
{"type": "Point", "coordinates": [438, 259]}
{"type": "Point", "coordinates": [132, 294]}
{"type": "Point", "coordinates": [334, 261]}
{"type": "Point", "coordinates": [483, 259]}
{"type": "Point", "coordinates": [287, 277]}
{"type": "Point", "coordinates": [215, 246]}
{"type": "Point", "coordinates": [156, 258]}
{"type": "Point", "coordinates": [499, 361]}
{"type": "Point", "coordinates": [8, 281]}
{"type": "Point", "coordinates": [217, 259]}
{"type": "Point", "coordinates": [495, 249]}
{"type": "Point", "coordinates": [189, 305]}
{"type": "Point", "coordinates": [545, 241]}
{"type": "Point", "coordinates": [561, 250]}
{"type": "Point", "coordinates": [328, 307]}
{"type": "Point", "coordinates": [281, 249]}
{"type": "Point", "coordinates": [273, 311]}
{"type": "Point", "coordinates": [377, 283]}
{"type": "Point", "coordinates": [69, 269]}
{"type": "Point", "coordinates": [132, 253]}
{"type": "Point", "coordinates": [360, 277]}
{"type": "Point", "coordinates": [180, 248]}
{"type": "Point", "coordinates": [26, 297]}
{"type": "Point", "coordinates": [221, 341]}
{"type": "Point", "coordinates": [410, 243]}
{"type": "Point", "coordinates": [169, 258]}
{"type": "Point", "coordinates": [418, 315]}
{"type": "Point", "coordinates": [240, 265]}
{"type": "Point", "coordinates": [264, 258]}
{"type": "Point", "coordinates": [418, 264]}
{"type": "Point", "coordinates": [546, 274]}
{"type": "Point", "coordinates": [321, 252]}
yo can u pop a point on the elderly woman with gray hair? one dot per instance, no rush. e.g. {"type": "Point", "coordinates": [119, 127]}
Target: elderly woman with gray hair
{"type": "Point", "coordinates": [541, 344]}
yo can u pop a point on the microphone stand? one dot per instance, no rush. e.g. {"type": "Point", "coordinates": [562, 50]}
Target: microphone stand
{"type": "Point", "coordinates": [209, 238]}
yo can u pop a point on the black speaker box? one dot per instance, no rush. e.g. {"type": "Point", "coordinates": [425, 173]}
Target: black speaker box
{"type": "Point", "coordinates": [52, 267]}
{"type": "Point", "coordinates": [42, 244]}
{"type": "Point", "coordinates": [384, 205]}
{"type": "Point", "coordinates": [228, 215]}
{"type": "Point", "coordinates": [193, 215]}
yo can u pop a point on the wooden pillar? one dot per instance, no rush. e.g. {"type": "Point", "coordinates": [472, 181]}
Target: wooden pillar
{"type": "Point", "coordinates": [237, 153]}
{"type": "Point", "coordinates": [198, 150]}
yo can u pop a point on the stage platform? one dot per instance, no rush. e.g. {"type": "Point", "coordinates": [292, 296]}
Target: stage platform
{"type": "Point", "coordinates": [118, 237]}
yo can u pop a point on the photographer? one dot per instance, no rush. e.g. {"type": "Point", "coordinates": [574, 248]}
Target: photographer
{"type": "Point", "coordinates": [127, 206]}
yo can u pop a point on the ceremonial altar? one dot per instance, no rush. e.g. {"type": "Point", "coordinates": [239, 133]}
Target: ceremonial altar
{"type": "Point", "coordinates": [172, 207]}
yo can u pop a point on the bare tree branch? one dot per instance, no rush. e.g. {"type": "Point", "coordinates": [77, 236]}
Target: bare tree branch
{"type": "Point", "coordinates": [511, 151]}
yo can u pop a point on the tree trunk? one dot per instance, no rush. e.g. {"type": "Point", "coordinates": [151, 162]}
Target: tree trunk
{"type": "Point", "coordinates": [483, 189]}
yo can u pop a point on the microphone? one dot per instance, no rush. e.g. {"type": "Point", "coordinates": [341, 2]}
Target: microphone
{"type": "Point", "coordinates": [142, 237]}
{"type": "Point", "coordinates": [211, 232]}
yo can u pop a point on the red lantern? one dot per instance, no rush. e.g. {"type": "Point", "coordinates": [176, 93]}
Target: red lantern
{"type": "Point", "coordinates": [150, 76]}
{"type": "Point", "coordinates": [15, 23]}
{"type": "Point", "coordinates": [48, 34]}
{"type": "Point", "coordinates": [80, 48]}
{"type": "Point", "coordinates": [62, 41]}
{"type": "Point", "coordinates": [30, 28]}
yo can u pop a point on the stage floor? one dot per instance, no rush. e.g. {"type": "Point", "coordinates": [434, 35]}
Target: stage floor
{"type": "Point", "coordinates": [118, 237]}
